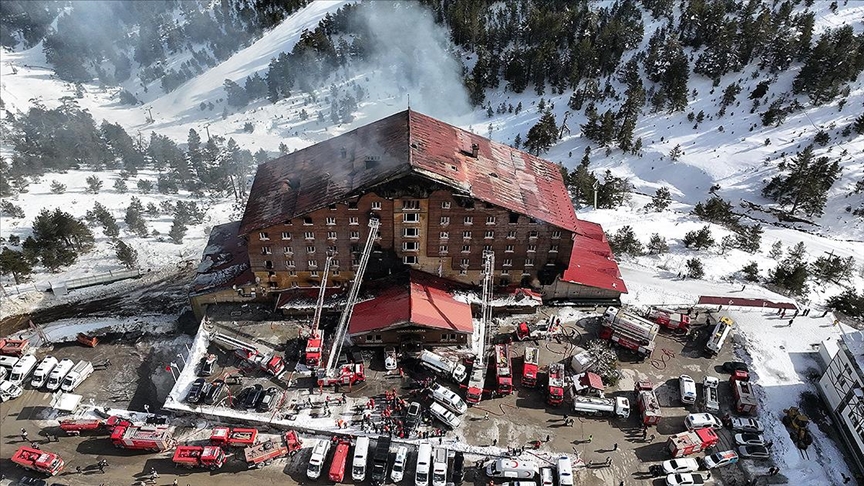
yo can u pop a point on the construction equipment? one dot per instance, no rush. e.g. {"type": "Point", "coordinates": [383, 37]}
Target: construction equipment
{"type": "Point", "coordinates": [351, 373]}
{"type": "Point", "coordinates": [477, 380]}
{"type": "Point", "coordinates": [38, 460]}
{"type": "Point", "coordinates": [316, 335]}
{"type": "Point", "coordinates": [687, 443]}
{"type": "Point", "coordinates": [648, 404]}
{"type": "Point", "coordinates": [272, 363]}
{"type": "Point", "coordinates": [211, 457]}
{"type": "Point", "coordinates": [530, 367]}
{"type": "Point", "coordinates": [798, 423]}
{"type": "Point", "coordinates": [145, 438]}
{"type": "Point", "coordinates": [503, 370]}
{"type": "Point", "coordinates": [629, 331]}
{"type": "Point", "coordinates": [555, 388]}
{"type": "Point", "coordinates": [233, 437]}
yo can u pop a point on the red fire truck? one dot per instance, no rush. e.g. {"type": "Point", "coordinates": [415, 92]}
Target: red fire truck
{"type": "Point", "coordinates": [555, 390]}
{"type": "Point", "coordinates": [629, 331]}
{"type": "Point", "coordinates": [648, 404]}
{"type": "Point", "coordinates": [212, 457]}
{"type": "Point", "coordinates": [154, 438]}
{"type": "Point", "coordinates": [349, 375]}
{"type": "Point", "coordinates": [503, 370]}
{"type": "Point", "coordinates": [96, 426]}
{"type": "Point", "coordinates": [530, 367]}
{"type": "Point", "coordinates": [687, 443]}
{"type": "Point", "coordinates": [742, 389]}
{"type": "Point", "coordinates": [233, 437]}
{"type": "Point", "coordinates": [476, 381]}
{"type": "Point", "coordinates": [669, 319]}
{"type": "Point", "coordinates": [313, 349]}
{"type": "Point", "coordinates": [340, 456]}
{"type": "Point", "coordinates": [38, 460]}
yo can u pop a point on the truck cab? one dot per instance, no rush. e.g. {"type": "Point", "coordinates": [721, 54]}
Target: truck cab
{"type": "Point", "coordinates": [316, 461]}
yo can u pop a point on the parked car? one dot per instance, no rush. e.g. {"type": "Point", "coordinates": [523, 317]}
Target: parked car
{"type": "Point", "coordinates": [681, 465]}
{"type": "Point", "coordinates": [194, 395]}
{"type": "Point", "coordinates": [688, 389]}
{"type": "Point", "coordinates": [458, 476]}
{"type": "Point", "coordinates": [215, 390]}
{"type": "Point", "coordinates": [733, 366]}
{"type": "Point", "coordinates": [398, 469]}
{"type": "Point", "coordinates": [754, 452]}
{"type": "Point", "coordinates": [742, 424]}
{"type": "Point", "coordinates": [254, 397]}
{"type": "Point", "coordinates": [687, 479]}
{"type": "Point", "coordinates": [412, 416]}
{"type": "Point", "coordinates": [207, 366]}
{"type": "Point", "coordinates": [268, 399]}
{"type": "Point", "coordinates": [239, 401]}
{"type": "Point", "coordinates": [701, 420]}
{"type": "Point", "coordinates": [720, 459]}
{"type": "Point", "coordinates": [9, 391]}
{"type": "Point", "coordinates": [749, 439]}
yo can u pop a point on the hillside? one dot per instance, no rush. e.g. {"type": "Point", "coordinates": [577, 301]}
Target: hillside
{"type": "Point", "coordinates": [407, 56]}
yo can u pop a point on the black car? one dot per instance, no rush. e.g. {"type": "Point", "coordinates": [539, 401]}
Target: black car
{"type": "Point", "coordinates": [207, 366]}
{"type": "Point", "coordinates": [733, 366]}
{"type": "Point", "coordinates": [214, 391]}
{"type": "Point", "coordinates": [458, 475]}
{"type": "Point", "coordinates": [412, 416]}
{"type": "Point", "coordinates": [194, 395]}
{"type": "Point", "coordinates": [156, 420]}
{"type": "Point", "coordinates": [268, 400]}
{"type": "Point", "coordinates": [254, 397]}
{"type": "Point", "coordinates": [31, 481]}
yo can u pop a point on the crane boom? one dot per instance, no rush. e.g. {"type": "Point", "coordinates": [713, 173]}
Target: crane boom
{"type": "Point", "coordinates": [486, 314]}
{"type": "Point", "coordinates": [345, 318]}
{"type": "Point", "coordinates": [316, 320]}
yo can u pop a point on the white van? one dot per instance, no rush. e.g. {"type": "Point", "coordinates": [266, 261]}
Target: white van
{"type": "Point", "coordinates": [3, 373]}
{"type": "Point", "coordinates": [546, 477]}
{"type": "Point", "coordinates": [565, 471]}
{"type": "Point", "coordinates": [424, 460]}
{"type": "Point", "coordinates": [316, 462]}
{"type": "Point", "coordinates": [511, 468]}
{"type": "Point", "coordinates": [361, 459]}
{"type": "Point", "coordinates": [40, 376]}
{"type": "Point", "coordinates": [446, 416]}
{"type": "Point", "coordinates": [77, 375]}
{"type": "Point", "coordinates": [439, 467]}
{"type": "Point", "coordinates": [449, 399]}
{"type": "Point", "coordinates": [695, 421]}
{"type": "Point", "coordinates": [55, 379]}
{"type": "Point", "coordinates": [687, 387]}
{"type": "Point", "coordinates": [22, 369]}
{"type": "Point", "coordinates": [8, 361]}
{"type": "Point", "coordinates": [399, 464]}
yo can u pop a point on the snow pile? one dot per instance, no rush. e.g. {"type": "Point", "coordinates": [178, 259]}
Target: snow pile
{"type": "Point", "coordinates": [66, 330]}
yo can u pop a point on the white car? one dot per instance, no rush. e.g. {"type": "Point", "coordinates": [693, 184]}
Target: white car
{"type": "Point", "coordinates": [9, 391]}
{"type": "Point", "coordinates": [399, 464]}
{"type": "Point", "coordinates": [687, 479]}
{"type": "Point", "coordinates": [688, 389]}
{"type": "Point", "coordinates": [446, 416]}
{"type": "Point", "coordinates": [749, 439]}
{"type": "Point", "coordinates": [701, 420]}
{"type": "Point", "coordinates": [740, 424]}
{"type": "Point", "coordinates": [682, 465]}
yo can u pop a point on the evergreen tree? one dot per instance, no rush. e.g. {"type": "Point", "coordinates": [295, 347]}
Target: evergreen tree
{"type": "Point", "coordinates": [858, 125]}
{"type": "Point", "coordinates": [661, 199]}
{"type": "Point", "coordinates": [699, 239]}
{"type": "Point", "coordinates": [624, 242]}
{"type": "Point", "coordinates": [178, 231]}
{"type": "Point", "coordinates": [11, 209]}
{"type": "Point", "coordinates": [94, 184]}
{"type": "Point", "coordinates": [695, 268]}
{"type": "Point", "coordinates": [13, 262]}
{"type": "Point", "coordinates": [751, 272]}
{"type": "Point", "coordinates": [135, 219]}
{"type": "Point", "coordinates": [145, 186]}
{"type": "Point", "coordinates": [749, 238]}
{"type": "Point", "coordinates": [542, 135]}
{"type": "Point", "coordinates": [804, 183]}
{"type": "Point", "coordinates": [120, 186]}
{"type": "Point", "coordinates": [127, 255]}
{"type": "Point", "coordinates": [613, 192]}
{"type": "Point", "coordinates": [57, 239]}
{"type": "Point", "coordinates": [776, 251]}
{"type": "Point", "coordinates": [236, 95]}
{"type": "Point", "coordinates": [832, 268]}
{"type": "Point", "coordinates": [849, 303]}
{"type": "Point", "coordinates": [657, 245]}
{"type": "Point", "coordinates": [716, 210]}
{"type": "Point", "coordinates": [57, 187]}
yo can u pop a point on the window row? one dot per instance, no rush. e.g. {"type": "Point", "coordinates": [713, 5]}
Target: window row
{"type": "Point", "coordinates": [291, 265]}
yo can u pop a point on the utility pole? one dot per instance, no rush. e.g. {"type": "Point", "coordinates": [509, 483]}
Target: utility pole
{"type": "Point", "coordinates": [596, 186]}
{"type": "Point", "coordinates": [207, 128]}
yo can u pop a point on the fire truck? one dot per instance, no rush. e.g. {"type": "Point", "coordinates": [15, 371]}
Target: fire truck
{"type": "Point", "coordinates": [477, 380]}
{"type": "Point", "coordinates": [233, 437]}
{"type": "Point", "coordinates": [154, 438]}
{"type": "Point", "coordinates": [38, 460]}
{"type": "Point", "coordinates": [742, 389]}
{"type": "Point", "coordinates": [555, 390]}
{"type": "Point", "coordinates": [503, 370]}
{"type": "Point", "coordinates": [96, 426]}
{"type": "Point", "coordinates": [669, 319]}
{"type": "Point", "coordinates": [269, 362]}
{"type": "Point", "coordinates": [530, 367]}
{"type": "Point", "coordinates": [629, 331]}
{"type": "Point", "coordinates": [211, 457]}
{"type": "Point", "coordinates": [687, 443]}
{"type": "Point", "coordinates": [648, 404]}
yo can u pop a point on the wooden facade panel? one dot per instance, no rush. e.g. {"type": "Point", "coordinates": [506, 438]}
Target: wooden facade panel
{"type": "Point", "coordinates": [426, 336]}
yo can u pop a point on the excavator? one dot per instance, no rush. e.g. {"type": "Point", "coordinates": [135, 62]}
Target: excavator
{"type": "Point", "coordinates": [797, 424]}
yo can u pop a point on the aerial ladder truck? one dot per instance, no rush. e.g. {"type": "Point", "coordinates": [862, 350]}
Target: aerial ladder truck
{"type": "Point", "coordinates": [478, 372]}
{"type": "Point", "coordinates": [316, 336]}
{"type": "Point", "coordinates": [349, 373]}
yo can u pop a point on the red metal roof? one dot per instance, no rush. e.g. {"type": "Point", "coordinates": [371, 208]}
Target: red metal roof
{"type": "Point", "coordinates": [592, 380]}
{"type": "Point", "coordinates": [591, 260]}
{"type": "Point", "coordinates": [424, 301]}
{"type": "Point", "coordinates": [401, 144]}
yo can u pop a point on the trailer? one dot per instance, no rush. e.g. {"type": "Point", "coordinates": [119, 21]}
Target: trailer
{"type": "Point", "coordinates": [605, 407]}
{"type": "Point", "coordinates": [669, 319]}
{"type": "Point", "coordinates": [555, 388]}
{"type": "Point", "coordinates": [210, 457]}
{"type": "Point", "coordinates": [233, 437]}
{"type": "Point", "coordinates": [649, 407]}
{"type": "Point", "coordinates": [263, 454]}
{"type": "Point", "coordinates": [503, 370]}
{"type": "Point", "coordinates": [686, 443]}
{"type": "Point", "coordinates": [154, 438]}
{"type": "Point", "coordinates": [721, 332]}
{"type": "Point", "coordinates": [745, 399]}
{"type": "Point", "coordinates": [530, 367]}
{"type": "Point", "coordinates": [38, 460]}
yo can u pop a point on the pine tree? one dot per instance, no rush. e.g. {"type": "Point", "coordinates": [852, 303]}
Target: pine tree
{"type": "Point", "coordinates": [145, 186]}
{"type": "Point", "coordinates": [13, 262]}
{"type": "Point", "coordinates": [236, 95]}
{"type": "Point", "coordinates": [120, 186]}
{"type": "Point", "coordinates": [127, 255]}
{"type": "Point", "coordinates": [135, 219]}
{"type": "Point", "coordinates": [661, 200]}
{"type": "Point", "coordinates": [624, 242]}
{"type": "Point", "coordinates": [716, 210]}
{"type": "Point", "coordinates": [751, 272]}
{"type": "Point", "coordinates": [178, 231]}
{"type": "Point", "coordinates": [57, 187]}
{"type": "Point", "coordinates": [11, 209]}
{"type": "Point", "coordinates": [849, 303]}
{"type": "Point", "coordinates": [699, 239]}
{"type": "Point", "coordinates": [676, 153]}
{"type": "Point", "coordinates": [804, 183]}
{"type": "Point", "coordinates": [776, 251]}
{"type": "Point", "coordinates": [695, 268]}
{"type": "Point", "coordinates": [613, 192]}
{"type": "Point", "coordinates": [858, 125]}
{"type": "Point", "coordinates": [832, 268]}
{"type": "Point", "coordinates": [657, 245]}
{"type": "Point", "coordinates": [749, 238]}
{"type": "Point", "coordinates": [542, 135]}
{"type": "Point", "coordinates": [94, 184]}
{"type": "Point", "coordinates": [57, 239]}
